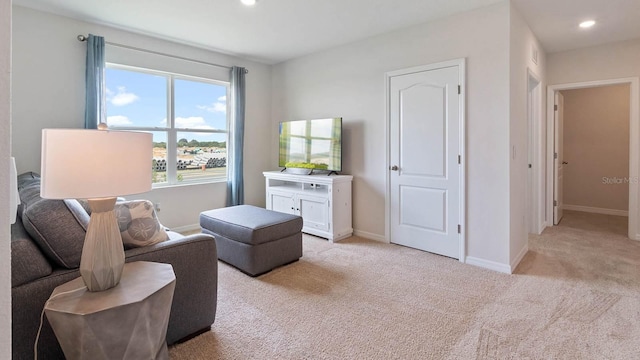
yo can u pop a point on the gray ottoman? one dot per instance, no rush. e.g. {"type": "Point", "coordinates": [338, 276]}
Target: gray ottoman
{"type": "Point", "coordinates": [253, 239]}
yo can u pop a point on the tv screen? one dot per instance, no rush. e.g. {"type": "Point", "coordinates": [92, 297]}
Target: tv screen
{"type": "Point", "coordinates": [311, 144]}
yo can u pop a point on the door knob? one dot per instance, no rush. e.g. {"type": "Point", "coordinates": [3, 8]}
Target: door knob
{"type": "Point", "coordinates": [394, 168]}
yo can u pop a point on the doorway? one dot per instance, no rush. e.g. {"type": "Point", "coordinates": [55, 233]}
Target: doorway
{"type": "Point", "coordinates": [425, 193]}
{"type": "Point", "coordinates": [556, 158]}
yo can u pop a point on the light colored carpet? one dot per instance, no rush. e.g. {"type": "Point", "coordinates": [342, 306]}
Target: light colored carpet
{"type": "Point", "coordinates": [576, 295]}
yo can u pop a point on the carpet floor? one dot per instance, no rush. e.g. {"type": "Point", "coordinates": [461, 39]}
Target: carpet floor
{"type": "Point", "coordinates": [575, 295]}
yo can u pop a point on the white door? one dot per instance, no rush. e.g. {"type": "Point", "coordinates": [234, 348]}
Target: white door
{"type": "Point", "coordinates": [558, 156]}
{"type": "Point", "coordinates": [424, 124]}
{"type": "Point", "coordinates": [533, 122]}
{"type": "Point", "coordinates": [281, 202]}
{"type": "Point", "coordinates": [314, 211]}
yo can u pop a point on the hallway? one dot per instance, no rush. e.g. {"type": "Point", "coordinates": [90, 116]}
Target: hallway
{"type": "Point", "coordinates": [595, 222]}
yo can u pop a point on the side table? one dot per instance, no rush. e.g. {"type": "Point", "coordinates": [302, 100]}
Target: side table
{"type": "Point", "coordinates": [128, 321]}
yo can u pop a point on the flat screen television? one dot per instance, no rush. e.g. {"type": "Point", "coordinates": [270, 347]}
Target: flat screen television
{"type": "Point", "coordinates": [311, 144]}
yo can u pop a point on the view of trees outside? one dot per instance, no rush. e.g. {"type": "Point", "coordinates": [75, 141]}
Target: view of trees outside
{"type": "Point", "coordinates": [138, 99]}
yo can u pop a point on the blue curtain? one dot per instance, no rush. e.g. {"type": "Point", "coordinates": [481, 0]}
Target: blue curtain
{"type": "Point", "coordinates": [235, 182]}
{"type": "Point", "coordinates": [94, 111]}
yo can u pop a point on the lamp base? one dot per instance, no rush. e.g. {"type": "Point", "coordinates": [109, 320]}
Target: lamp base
{"type": "Point", "coordinates": [103, 253]}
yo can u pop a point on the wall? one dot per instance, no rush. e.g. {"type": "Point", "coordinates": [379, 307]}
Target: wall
{"type": "Point", "coordinates": [596, 145]}
{"type": "Point", "coordinates": [5, 150]}
{"type": "Point", "coordinates": [48, 91]}
{"type": "Point", "coordinates": [522, 43]}
{"type": "Point", "coordinates": [605, 62]}
{"type": "Point", "coordinates": [348, 81]}
{"type": "Point", "coordinates": [610, 61]}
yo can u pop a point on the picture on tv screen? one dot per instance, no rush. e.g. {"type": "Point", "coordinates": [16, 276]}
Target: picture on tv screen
{"type": "Point", "coordinates": [311, 144]}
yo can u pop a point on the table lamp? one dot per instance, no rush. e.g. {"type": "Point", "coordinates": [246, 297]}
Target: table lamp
{"type": "Point", "coordinates": [97, 165]}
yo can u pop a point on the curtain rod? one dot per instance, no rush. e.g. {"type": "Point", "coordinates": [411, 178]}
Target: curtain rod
{"type": "Point", "coordinates": [84, 38]}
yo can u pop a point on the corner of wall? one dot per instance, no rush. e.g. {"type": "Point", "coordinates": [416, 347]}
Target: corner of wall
{"type": "Point", "coordinates": [5, 150]}
{"type": "Point", "coordinates": [525, 55]}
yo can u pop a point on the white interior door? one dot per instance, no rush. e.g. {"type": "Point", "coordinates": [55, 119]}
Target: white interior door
{"type": "Point", "coordinates": [534, 205]}
{"type": "Point", "coordinates": [558, 156]}
{"type": "Point", "coordinates": [424, 145]}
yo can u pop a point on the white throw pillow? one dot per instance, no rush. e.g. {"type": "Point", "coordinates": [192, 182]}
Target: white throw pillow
{"type": "Point", "coordinates": [138, 223]}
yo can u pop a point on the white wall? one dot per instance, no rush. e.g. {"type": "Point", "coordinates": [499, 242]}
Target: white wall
{"type": "Point", "coordinates": [48, 91]}
{"type": "Point", "coordinates": [610, 61]}
{"type": "Point", "coordinates": [348, 81]}
{"type": "Point", "coordinates": [5, 149]}
{"type": "Point", "coordinates": [596, 145]}
{"type": "Point", "coordinates": [521, 42]}
{"type": "Point", "coordinates": [605, 62]}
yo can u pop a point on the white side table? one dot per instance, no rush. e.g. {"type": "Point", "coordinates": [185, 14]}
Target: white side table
{"type": "Point", "coordinates": [128, 321]}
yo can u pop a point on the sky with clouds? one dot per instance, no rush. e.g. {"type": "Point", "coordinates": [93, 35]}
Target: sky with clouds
{"type": "Point", "coordinates": [140, 99]}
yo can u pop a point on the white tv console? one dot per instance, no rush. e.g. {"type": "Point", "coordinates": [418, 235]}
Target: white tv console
{"type": "Point", "coordinates": [324, 202]}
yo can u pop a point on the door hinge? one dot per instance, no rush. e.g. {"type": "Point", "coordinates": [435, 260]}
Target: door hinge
{"type": "Point", "coordinates": [555, 155]}
{"type": "Point", "coordinates": [555, 107]}
{"type": "Point", "coordinates": [459, 159]}
{"type": "Point", "coordinates": [459, 90]}
{"type": "Point", "coordinates": [328, 203]}
{"type": "Point", "coordinates": [555, 202]}
{"type": "Point", "coordinates": [459, 229]}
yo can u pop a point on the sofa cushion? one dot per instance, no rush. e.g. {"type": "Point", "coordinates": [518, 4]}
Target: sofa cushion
{"type": "Point", "coordinates": [27, 179]}
{"type": "Point", "coordinates": [56, 231]}
{"type": "Point", "coordinates": [138, 223]}
{"type": "Point", "coordinates": [27, 262]}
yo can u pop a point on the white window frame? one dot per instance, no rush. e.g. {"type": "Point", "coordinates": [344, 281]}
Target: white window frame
{"type": "Point", "coordinates": [172, 131]}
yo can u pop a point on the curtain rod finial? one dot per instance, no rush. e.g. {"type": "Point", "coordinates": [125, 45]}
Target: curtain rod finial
{"type": "Point", "coordinates": [81, 38]}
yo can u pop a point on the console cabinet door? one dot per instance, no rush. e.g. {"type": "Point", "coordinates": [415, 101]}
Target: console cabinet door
{"type": "Point", "coordinates": [314, 211]}
{"type": "Point", "coordinates": [281, 202]}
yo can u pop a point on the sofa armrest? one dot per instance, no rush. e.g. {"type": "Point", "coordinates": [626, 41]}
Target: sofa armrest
{"type": "Point", "coordinates": [195, 263]}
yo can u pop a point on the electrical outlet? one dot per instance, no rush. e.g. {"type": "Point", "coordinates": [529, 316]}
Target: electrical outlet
{"type": "Point", "coordinates": [157, 206]}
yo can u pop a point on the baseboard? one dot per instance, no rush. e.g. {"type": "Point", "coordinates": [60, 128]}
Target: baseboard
{"type": "Point", "coordinates": [487, 264]}
{"type": "Point", "coordinates": [519, 258]}
{"type": "Point", "coordinates": [596, 210]}
{"type": "Point", "coordinates": [541, 227]}
{"type": "Point", "coordinates": [370, 236]}
{"type": "Point", "coordinates": [186, 228]}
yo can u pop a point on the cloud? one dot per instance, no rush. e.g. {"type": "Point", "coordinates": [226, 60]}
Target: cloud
{"type": "Point", "coordinates": [223, 98]}
{"type": "Point", "coordinates": [118, 120]}
{"type": "Point", "coordinates": [122, 98]}
{"type": "Point", "coordinates": [219, 106]}
{"type": "Point", "coordinates": [191, 122]}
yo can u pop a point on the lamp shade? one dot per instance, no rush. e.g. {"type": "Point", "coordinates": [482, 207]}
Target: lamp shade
{"type": "Point", "coordinates": [87, 164]}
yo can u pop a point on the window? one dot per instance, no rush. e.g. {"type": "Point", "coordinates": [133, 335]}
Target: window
{"type": "Point", "coordinates": [186, 115]}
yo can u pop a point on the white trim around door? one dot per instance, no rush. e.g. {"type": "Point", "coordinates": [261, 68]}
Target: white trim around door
{"type": "Point", "coordinates": [634, 145]}
{"type": "Point", "coordinates": [461, 66]}
{"type": "Point", "coordinates": [536, 134]}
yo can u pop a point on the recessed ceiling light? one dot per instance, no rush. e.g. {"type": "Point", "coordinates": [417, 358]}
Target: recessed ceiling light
{"type": "Point", "coordinates": [248, 2]}
{"type": "Point", "coordinates": [587, 24]}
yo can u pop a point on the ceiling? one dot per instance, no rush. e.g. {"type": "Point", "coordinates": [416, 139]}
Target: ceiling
{"type": "Point", "coordinates": [277, 30]}
{"type": "Point", "coordinates": [555, 22]}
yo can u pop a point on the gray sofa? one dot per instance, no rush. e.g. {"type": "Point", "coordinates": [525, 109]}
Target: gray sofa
{"type": "Point", "coordinates": [46, 244]}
